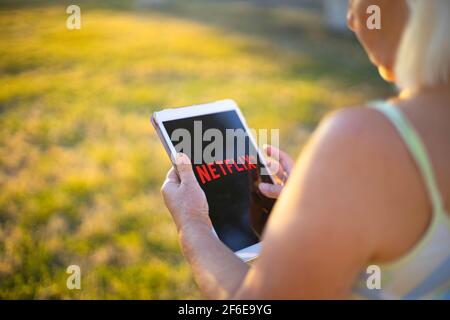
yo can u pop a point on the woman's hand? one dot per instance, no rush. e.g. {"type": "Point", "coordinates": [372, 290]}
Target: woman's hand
{"type": "Point", "coordinates": [184, 197]}
{"type": "Point", "coordinates": [280, 164]}
{"type": "Point", "coordinates": [218, 271]}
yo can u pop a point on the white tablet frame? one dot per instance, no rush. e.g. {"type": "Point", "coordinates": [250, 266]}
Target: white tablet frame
{"type": "Point", "coordinates": [251, 252]}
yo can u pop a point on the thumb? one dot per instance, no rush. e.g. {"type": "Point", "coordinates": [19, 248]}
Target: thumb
{"type": "Point", "coordinates": [270, 190]}
{"type": "Point", "coordinates": [184, 168]}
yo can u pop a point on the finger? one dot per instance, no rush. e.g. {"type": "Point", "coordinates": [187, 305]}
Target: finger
{"type": "Point", "coordinates": [171, 183]}
{"type": "Point", "coordinates": [184, 168]}
{"type": "Point", "coordinates": [285, 160]}
{"type": "Point", "coordinates": [270, 190]}
{"type": "Point", "coordinates": [275, 168]}
{"type": "Point", "coordinates": [168, 188]}
{"type": "Point", "coordinates": [172, 176]}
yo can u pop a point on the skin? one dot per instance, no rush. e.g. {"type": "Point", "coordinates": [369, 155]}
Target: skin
{"type": "Point", "coordinates": [354, 196]}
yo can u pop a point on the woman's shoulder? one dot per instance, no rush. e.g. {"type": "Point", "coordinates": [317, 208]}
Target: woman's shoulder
{"type": "Point", "coordinates": [357, 122]}
{"type": "Point", "coordinates": [360, 134]}
{"type": "Point", "coordinates": [360, 148]}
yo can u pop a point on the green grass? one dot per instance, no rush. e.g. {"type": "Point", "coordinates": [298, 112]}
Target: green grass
{"type": "Point", "coordinates": [80, 165]}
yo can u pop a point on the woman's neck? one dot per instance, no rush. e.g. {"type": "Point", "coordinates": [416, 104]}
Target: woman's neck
{"type": "Point", "coordinates": [441, 92]}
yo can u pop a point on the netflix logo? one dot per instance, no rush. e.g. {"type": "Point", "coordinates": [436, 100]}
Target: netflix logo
{"type": "Point", "coordinates": [213, 171]}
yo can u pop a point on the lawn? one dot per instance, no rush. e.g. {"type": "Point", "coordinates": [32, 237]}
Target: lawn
{"type": "Point", "coordinates": [80, 165]}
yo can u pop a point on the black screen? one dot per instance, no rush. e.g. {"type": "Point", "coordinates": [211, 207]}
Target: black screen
{"type": "Point", "coordinates": [230, 180]}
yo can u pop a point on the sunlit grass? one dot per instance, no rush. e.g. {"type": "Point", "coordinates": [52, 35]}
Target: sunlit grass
{"type": "Point", "coordinates": [80, 165]}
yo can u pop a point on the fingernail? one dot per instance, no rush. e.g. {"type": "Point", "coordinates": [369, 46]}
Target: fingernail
{"type": "Point", "coordinates": [181, 158]}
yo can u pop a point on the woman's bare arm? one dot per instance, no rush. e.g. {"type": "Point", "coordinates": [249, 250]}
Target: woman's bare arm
{"type": "Point", "coordinates": [319, 236]}
{"type": "Point", "coordinates": [355, 198]}
{"type": "Point", "coordinates": [217, 270]}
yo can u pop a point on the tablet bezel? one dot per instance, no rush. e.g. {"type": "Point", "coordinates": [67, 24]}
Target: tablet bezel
{"type": "Point", "coordinates": [245, 254]}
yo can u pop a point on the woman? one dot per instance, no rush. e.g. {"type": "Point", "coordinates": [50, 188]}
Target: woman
{"type": "Point", "coordinates": [369, 188]}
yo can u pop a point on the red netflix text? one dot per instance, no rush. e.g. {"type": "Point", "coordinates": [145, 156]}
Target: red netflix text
{"type": "Point", "coordinates": [212, 171]}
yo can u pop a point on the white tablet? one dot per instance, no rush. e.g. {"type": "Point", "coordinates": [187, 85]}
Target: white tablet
{"type": "Point", "coordinates": [228, 166]}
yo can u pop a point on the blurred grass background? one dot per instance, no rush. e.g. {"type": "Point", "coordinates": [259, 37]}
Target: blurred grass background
{"type": "Point", "coordinates": [80, 165]}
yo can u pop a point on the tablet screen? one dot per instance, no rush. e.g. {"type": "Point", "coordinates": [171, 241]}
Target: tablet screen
{"type": "Point", "coordinates": [228, 169]}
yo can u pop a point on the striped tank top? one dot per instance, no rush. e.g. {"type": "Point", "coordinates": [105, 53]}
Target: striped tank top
{"type": "Point", "coordinates": [423, 272]}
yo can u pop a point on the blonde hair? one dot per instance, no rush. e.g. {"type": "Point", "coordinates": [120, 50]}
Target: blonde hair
{"type": "Point", "coordinates": [423, 57]}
